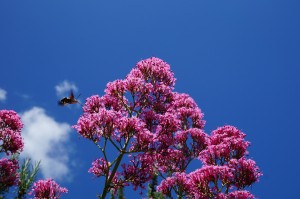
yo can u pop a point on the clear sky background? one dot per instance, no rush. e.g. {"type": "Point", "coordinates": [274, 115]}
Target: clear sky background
{"type": "Point", "coordinates": [239, 60]}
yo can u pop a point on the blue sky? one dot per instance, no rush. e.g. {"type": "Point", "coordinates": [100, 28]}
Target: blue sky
{"type": "Point", "coordinates": [239, 60]}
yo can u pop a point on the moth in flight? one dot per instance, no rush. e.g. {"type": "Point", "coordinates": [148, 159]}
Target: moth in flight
{"type": "Point", "coordinates": [68, 100]}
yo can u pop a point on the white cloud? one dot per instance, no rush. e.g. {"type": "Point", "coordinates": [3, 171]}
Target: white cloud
{"type": "Point", "coordinates": [47, 140]}
{"type": "Point", "coordinates": [63, 88]}
{"type": "Point", "coordinates": [2, 94]}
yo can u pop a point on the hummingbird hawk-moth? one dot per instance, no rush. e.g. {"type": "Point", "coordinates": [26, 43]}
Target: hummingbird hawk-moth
{"type": "Point", "coordinates": [68, 100]}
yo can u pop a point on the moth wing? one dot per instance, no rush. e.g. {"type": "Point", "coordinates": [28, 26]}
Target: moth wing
{"type": "Point", "coordinates": [72, 95]}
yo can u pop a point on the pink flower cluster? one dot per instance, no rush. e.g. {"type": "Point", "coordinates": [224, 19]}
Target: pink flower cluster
{"type": "Point", "coordinates": [226, 170]}
{"type": "Point", "coordinates": [226, 142]}
{"type": "Point", "coordinates": [212, 182]}
{"type": "Point", "coordinates": [47, 189]}
{"type": "Point", "coordinates": [160, 132]}
{"type": "Point", "coordinates": [205, 182]}
{"type": "Point", "coordinates": [100, 167]}
{"type": "Point", "coordinates": [245, 172]}
{"type": "Point", "coordinates": [236, 195]}
{"type": "Point", "coordinates": [10, 132]}
{"type": "Point", "coordinates": [10, 143]}
{"type": "Point", "coordinates": [178, 182]}
{"type": "Point", "coordinates": [201, 183]}
{"type": "Point", "coordinates": [8, 173]}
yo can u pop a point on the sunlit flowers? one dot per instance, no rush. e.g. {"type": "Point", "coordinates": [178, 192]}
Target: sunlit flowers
{"type": "Point", "coordinates": [144, 129]}
{"type": "Point", "coordinates": [47, 189]}
{"type": "Point", "coordinates": [10, 132]}
{"type": "Point", "coordinates": [8, 173]}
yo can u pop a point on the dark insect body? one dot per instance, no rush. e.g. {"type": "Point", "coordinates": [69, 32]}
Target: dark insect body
{"type": "Point", "coordinates": [68, 100]}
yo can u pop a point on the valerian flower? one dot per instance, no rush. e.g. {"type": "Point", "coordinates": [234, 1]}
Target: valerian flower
{"type": "Point", "coordinates": [159, 132]}
{"type": "Point", "coordinates": [240, 194]}
{"type": "Point", "coordinates": [205, 182]}
{"type": "Point", "coordinates": [100, 167]}
{"type": "Point", "coordinates": [47, 189]}
{"type": "Point", "coordinates": [8, 173]}
{"type": "Point", "coordinates": [226, 142]}
{"type": "Point", "coordinates": [246, 172]}
{"type": "Point", "coordinates": [178, 182]}
{"type": "Point", "coordinates": [10, 132]}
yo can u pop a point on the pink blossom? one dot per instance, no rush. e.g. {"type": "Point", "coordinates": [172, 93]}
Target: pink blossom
{"type": "Point", "coordinates": [155, 70]}
{"type": "Point", "coordinates": [10, 132]}
{"type": "Point", "coordinates": [100, 167]}
{"type": "Point", "coordinates": [10, 119]}
{"type": "Point", "coordinates": [47, 189]}
{"type": "Point", "coordinates": [138, 171]}
{"type": "Point", "coordinates": [160, 131]}
{"type": "Point", "coordinates": [191, 142]}
{"type": "Point", "coordinates": [116, 88]}
{"type": "Point", "coordinates": [140, 93]}
{"type": "Point", "coordinates": [137, 85]}
{"type": "Point", "coordinates": [150, 119]}
{"type": "Point", "coordinates": [8, 173]}
{"type": "Point", "coordinates": [245, 172]}
{"type": "Point", "coordinates": [136, 129]}
{"type": "Point", "coordinates": [205, 182]}
{"type": "Point", "coordinates": [94, 126]}
{"type": "Point", "coordinates": [168, 124]}
{"type": "Point", "coordinates": [236, 195]}
{"type": "Point", "coordinates": [226, 142]}
{"type": "Point", "coordinates": [178, 181]}
{"type": "Point", "coordinates": [113, 103]}
{"type": "Point", "coordinates": [170, 160]}
{"type": "Point", "coordinates": [129, 127]}
{"type": "Point", "coordinates": [142, 141]}
{"type": "Point", "coordinates": [93, 104]}
{"type": "Point", "coordinates": [240, 195]}
{"type": "Point", "coordinates": [188, 111]}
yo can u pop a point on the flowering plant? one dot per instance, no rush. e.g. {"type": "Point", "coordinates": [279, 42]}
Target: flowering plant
{"type": "Point", "coordinates": [11, 173]}
{"type": "Point", "coordinates": [47, 189]}
{"type": "Point", "coordinates": [157, 132]}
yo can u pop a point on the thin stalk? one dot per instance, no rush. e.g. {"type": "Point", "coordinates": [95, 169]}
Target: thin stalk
{"type": "Point", "coordinates": [117, 163]}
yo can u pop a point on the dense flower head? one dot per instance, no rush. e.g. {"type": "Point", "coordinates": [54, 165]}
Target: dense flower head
{"type": "Point", "coordinates": [10, 132]}
{"type": "Point", "coordinates": [168, 124]}
{"type": "Point", "coordinates": [226, 142]}
{"type": "Point", "coordinates": [142, 141]}
{"type": "Point", "coordinates": [191, 142]}
{"type": "Point", "coordinates": [47, 189]}
{"type": "Point", "coordinates": [115, 88]}
{"type": "Point", "coordinates": [187, 110]}
{"type": "Point", "coordinates": [245, 172]}
{"type": "Point", "coordinates": [178, 181]}
{"type": "Point", "coordinates": [10, 119]}
{"type": "Point", "coordinates": [128, 127]}
{"type": "Point", "coordinates": [226, 133]}
{"type": "Point", "coordinates": [155, 70]}
{"type": "Point", "coordinates": [8, 173]}
{"type": "Point", "coordinates": [138, 86]}
{"type": "Point", "coordinates": [205, 182]}
{"type": "Point", "coordinates": [97, 125]}
{"type": "Point", "coordinates": [100, 167]}
{"type": "Point", "coordinates": [93, 104]}
{"type": "Point", "coordinates": [138, 172]}
{"type": "Point", "coordinates": [239, 194]}
{"type": "Point", "coordinates": [171, 160]}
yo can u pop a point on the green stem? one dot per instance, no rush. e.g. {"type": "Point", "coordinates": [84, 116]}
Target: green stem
{"type": "Point", "coordinates": [117, 163]}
